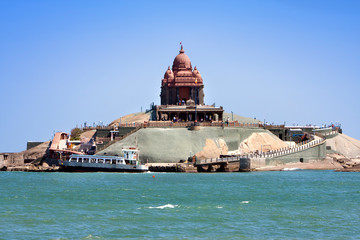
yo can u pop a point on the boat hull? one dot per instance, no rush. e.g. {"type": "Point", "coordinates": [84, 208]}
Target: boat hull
{"type": "Point", "coordinates": [66, 166]}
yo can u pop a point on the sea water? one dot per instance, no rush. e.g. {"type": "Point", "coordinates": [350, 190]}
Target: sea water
{"type": "Point", "coordinates": [256, 205]}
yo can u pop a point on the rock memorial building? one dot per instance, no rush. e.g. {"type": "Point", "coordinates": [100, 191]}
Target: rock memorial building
{"type": "Point", "coordinates": [182, 94]}
{"type": "Point", "coordinates": [182, 82]}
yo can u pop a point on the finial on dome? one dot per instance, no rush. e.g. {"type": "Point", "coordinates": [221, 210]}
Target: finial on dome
{"type": "Point", "coordinates": [195, 68]}
{"type": "Point", "coordinates": [168, 67]}
{"type": "Point", "coordinates": [182, 49]}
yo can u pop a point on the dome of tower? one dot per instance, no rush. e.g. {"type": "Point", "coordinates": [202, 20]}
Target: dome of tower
{"type": "Point", "coordinates": [196, 73]}
{"type": "Point", "coordinates": [168, 73]}
{"type": "Point", "coordinates": [184, 73]}
{"type": "Point", "coordinates": [181, 61]}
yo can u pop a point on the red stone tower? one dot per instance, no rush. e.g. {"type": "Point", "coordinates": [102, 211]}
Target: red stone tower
{"type": "Point", "coordinates": [182, 82]}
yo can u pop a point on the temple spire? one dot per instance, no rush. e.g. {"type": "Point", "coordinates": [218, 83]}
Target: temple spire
{"type": "Point", "coordinates": [182, 49]}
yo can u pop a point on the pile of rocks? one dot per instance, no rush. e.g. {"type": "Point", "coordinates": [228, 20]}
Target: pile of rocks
{"type": "Point", "coordinates": [44, 167]}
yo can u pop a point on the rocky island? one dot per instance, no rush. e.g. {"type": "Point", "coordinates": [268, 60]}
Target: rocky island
{"type": "Point", "coordinates": [183, 134]}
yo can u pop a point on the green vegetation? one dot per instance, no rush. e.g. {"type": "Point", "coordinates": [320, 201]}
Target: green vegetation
{"type": "Point", "coordinates": [75, 133]}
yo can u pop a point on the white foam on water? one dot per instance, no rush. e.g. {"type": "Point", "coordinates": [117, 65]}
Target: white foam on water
{"type": "Point", "coordinates": [166, 206]}
{"type": "Point", "coordinates": [91, 237]}
{"type": "Point", "coordinates": [245, 202]}
{"type": "Point", "coordinates": [292, 169]}
{"type": "Point", "coordinates": [219, 207]}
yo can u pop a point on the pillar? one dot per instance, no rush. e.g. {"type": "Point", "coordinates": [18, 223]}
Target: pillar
{"type": "Point", "coordinates": [196, 95]}
{"type": "Point", "coordinates": [192, 93]}
{"type": "Point", "coordinates": [167, 96]}
{"type": "Point", "coordinates": [171, 97]}
{"type": "Point", "coordinates": [177, 95]}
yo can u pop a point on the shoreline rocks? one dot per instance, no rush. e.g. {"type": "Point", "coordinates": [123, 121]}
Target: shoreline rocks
{"type": "Point", "coordinates": [32, 168]}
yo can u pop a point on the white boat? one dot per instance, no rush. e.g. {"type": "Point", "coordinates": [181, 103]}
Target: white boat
{"type": "Point", "coordinates": [103, 163]}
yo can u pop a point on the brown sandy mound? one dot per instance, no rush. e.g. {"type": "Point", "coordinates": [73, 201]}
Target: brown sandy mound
{"type": "Point", "coordinates": [139, 117]}
{"type": "Point", "coordinates": [345, 145]}
{"type": "Point", "coordinates": [37, 152]}
{"type": "Point", "coordinates": [261, 141]}
{"type": "Point", "coordinates": [86, 136]}
{"type": "Point", "coordinates": [213, 150]}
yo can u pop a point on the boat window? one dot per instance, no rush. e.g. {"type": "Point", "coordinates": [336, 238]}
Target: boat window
{"type": "Point", "coordinates": [86, 160]}
{"type": "Point", "coordinates": [80, 160]}
{"type": "Point", "coordinates": [93, 160]}
{"type": "Point", "coordinates": [108, 161]}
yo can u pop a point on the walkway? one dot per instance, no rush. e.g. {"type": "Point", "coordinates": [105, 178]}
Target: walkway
{"type": "Point", "coordinates": [270, 154]}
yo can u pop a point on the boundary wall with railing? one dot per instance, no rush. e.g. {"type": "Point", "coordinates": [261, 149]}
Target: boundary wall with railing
{"type": "Point", "coordinates": [156, 124]}
{"type": "Point", "coordinates": [178, 124]}
{"type": "Point", "coordinates": [327, 134]}
{"type": "Point", "coordinates": [204, 124]}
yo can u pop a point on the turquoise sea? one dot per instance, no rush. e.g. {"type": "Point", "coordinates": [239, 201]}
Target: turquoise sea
{"type": "Point", "coordinates": [257, 205]}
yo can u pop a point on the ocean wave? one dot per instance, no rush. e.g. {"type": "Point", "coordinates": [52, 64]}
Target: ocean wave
{"type": "Point", "coordinates": [91, 237]}
{"type": "Point", "coordinates": [166, 206]}
{"type": "Point", "coordinates": [292, 169]}
{"type": "Point", "coordinates": [245, 202]}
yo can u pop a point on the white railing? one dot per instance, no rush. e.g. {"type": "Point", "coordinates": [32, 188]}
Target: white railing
{"type": "Point", "coordinates": [270, 154]}
{"type": "Point", "coordinates": [287, 150]}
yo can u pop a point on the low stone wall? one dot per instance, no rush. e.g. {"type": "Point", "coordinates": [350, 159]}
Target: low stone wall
{"type": "Point", "coordinates": [257, 162]}
{"type": "Point", "coordinates": [171, 167]}
{"type": "Point", "coordinates": [30, 145]}
{"type": "Point", "coordinates": [11, 159]}
{"type": "Point", "coordinates": [317, 152]}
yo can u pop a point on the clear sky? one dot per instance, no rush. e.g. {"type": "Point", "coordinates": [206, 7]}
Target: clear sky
{"type": "Point", "coordinates": [66, 62]}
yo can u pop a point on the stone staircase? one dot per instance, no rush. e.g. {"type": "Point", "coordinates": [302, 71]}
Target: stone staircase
{"type": "Point", "coordinates": [288, 150]}
{"type": "Point", "coordinates": [117, 139]}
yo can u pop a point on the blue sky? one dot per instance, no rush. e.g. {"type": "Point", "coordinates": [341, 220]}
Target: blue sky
{"type": "Point", "coordinates": [66, 62]}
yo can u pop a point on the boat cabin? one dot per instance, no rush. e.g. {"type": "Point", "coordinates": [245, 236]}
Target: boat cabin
{"type": "Point", "coordinates": [130, 158]}
{"type": "Point", "coordinates": [96, 159]}
{"type": "Point", "coordinates": [131, 155]}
